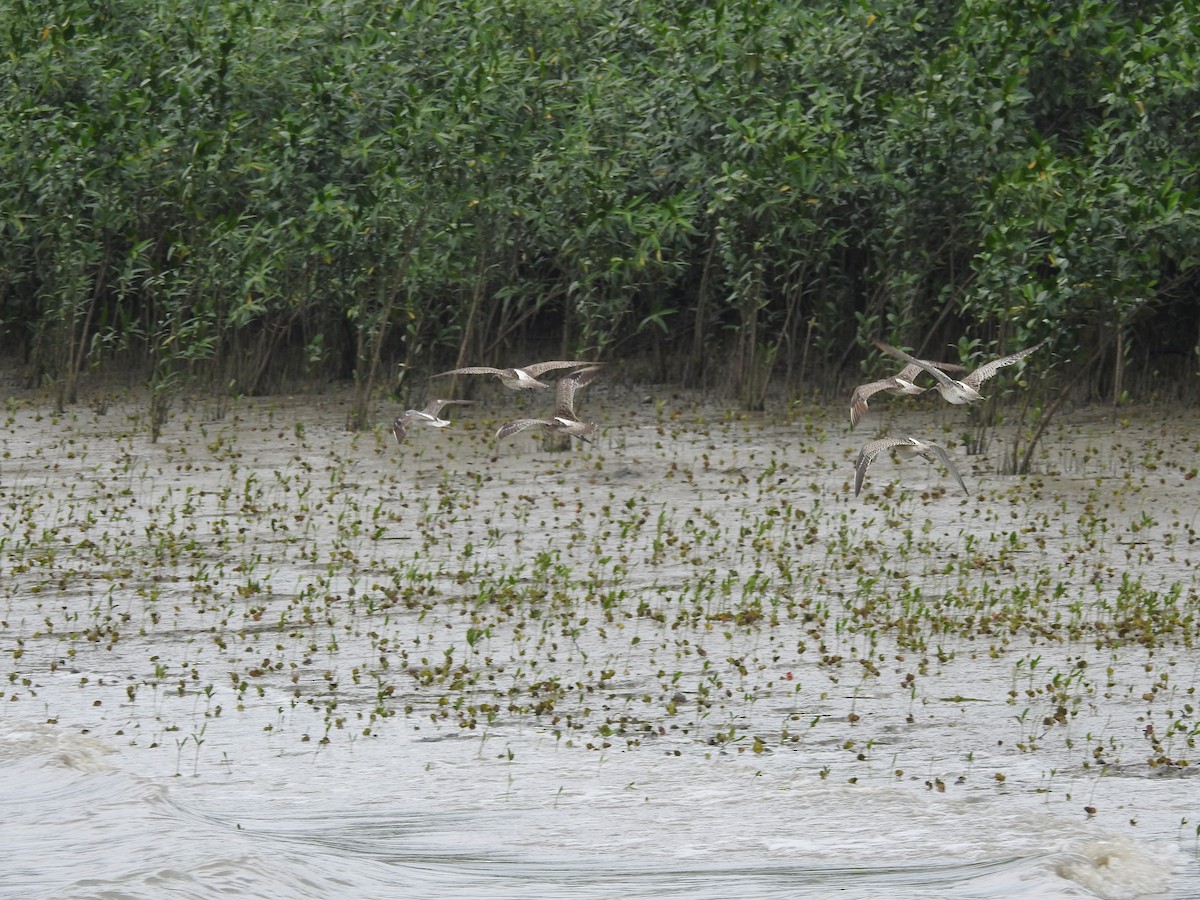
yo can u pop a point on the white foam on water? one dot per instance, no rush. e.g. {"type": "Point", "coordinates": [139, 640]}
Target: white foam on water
{"type": "Point", "coordinates": [1119, 869]}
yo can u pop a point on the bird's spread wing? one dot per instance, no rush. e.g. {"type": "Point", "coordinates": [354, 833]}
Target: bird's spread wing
{"type": "Point", "coordinates": [945, 366]}
{"type": "Point", "coordinates": [987, 370]}
{"type": "Point", "coordinates": [538, 368]}
{"type": "Point", "coordinates": [400, 429]}
{"type": "Point", "coordinates": [933, 370]}
{"type": "Point", "coordinates": [511, 428]}
{"type": "Point", "coordinates": [564, 398]}
{"type": "Point", "coordinates": [909, 372]}
{"type": "Point", "coordinates": [858, 400]}
{"type": "Point", "coordinates": [435, 406]}
{"type": "Point", "coordinates": [867, 455]}
{"type": "Point", "coordinates": [470, 370]}
{"type": "Point", "coordinates": [949, 464]}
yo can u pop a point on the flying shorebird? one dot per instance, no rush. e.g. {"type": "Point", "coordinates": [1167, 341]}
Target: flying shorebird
{"type": "Point", "coordinates": [564, 420]}
{"type": "Point", "coordinates": [967, 390]}
{"type": "Point", "coordinates": [898, 384]}
{"type": "Point", "coordinates": [907, 446]}
{"type": "Point", "coordinates": [427, 417]}
{"type": "Point", "coordinates": [521, 378]}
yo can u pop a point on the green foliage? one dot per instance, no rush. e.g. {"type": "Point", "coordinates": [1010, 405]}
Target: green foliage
{"type": "Point", "coordinates": [247, 191]}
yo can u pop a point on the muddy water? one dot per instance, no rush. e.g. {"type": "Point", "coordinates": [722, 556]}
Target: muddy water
{"type": "Point", "coordinates": [267, 656]}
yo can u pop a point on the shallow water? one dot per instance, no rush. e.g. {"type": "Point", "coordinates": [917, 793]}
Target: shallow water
{"type": "Point", "coordinates": [267, 656]}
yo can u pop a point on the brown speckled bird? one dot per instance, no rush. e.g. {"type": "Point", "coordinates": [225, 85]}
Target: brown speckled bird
{"type": "Point", "coordinates": [427, 417]}
{"type": "Point", "coordinates": [519, 378]}
{"type": "Point", "coordinates": [900, 383]}
{"type": "Point", "coordinates": [967, 390]}
{"type": "Point", "coordinates": [564, 420]}
{"type": "Point", "coordinates": [907, 446]}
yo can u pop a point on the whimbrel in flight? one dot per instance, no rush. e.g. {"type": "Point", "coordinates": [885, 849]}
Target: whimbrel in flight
{"type": "Point", "coordinates": [967, 390]}
{"type": "Point", "coordinates": [898, 384]}
{"type": "Point", "coordinates": [522, 378]}
{"type": "Point", "coordinates": [907, 446]}
{"type": "Point", "coordinates": [427, 417]}
{"type": "Point", "coordinates": [564, 420]}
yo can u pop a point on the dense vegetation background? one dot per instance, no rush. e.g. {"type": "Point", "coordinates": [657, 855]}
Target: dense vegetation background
{"type": "Point", "coordinates": [735, 195]}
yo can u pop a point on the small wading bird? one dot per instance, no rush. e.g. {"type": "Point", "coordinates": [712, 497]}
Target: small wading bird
{"type": "Point", "coordinates": [906, 446]}
{"type": "Point", "coordinates": [521, 378]}
{"type": "Point", "coordinates": [967, 390]}
{"type": "Point", "coordinates": [427, 417]}
{"type": "Point", "coordinates": [899, 384]}
{"type": "Point", "coordinates": [564, 420]}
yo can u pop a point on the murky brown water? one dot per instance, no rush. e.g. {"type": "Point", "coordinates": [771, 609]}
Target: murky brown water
{"type": "Point", "coordinates": [269, 656]}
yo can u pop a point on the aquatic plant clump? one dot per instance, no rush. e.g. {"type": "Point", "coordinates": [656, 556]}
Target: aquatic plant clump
{"type": "Point", "coordinates": [686, 584]}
